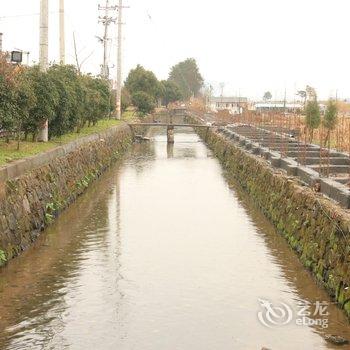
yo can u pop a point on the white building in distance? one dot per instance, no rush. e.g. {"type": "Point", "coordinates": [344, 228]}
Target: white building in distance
{"type": "Point", "coordinates": [278, 106]}
{"type": "Point", "coordinates": [234, 105]}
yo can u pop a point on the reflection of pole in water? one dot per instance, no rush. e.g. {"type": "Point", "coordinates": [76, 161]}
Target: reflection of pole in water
{"type": "Point", "coordinates": [170, 150]}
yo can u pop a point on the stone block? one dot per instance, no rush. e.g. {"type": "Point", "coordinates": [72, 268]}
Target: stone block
{"type": "Point", "coordinates": [308, 175]}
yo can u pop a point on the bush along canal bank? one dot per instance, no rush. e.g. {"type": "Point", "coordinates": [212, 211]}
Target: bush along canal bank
{"type": "Point", "coordinates": [315, 227]}
{"type": "Point", "coordinates": [35, 190]}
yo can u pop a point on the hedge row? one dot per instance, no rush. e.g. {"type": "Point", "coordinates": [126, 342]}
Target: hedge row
{"type": "Point", "coordinates": [67, 99]}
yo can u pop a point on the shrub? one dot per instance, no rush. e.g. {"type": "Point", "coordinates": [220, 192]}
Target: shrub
{"type": "Point", "coordinates": [143, 102]}
{"type": "Point", "coordinates": [67, 99]}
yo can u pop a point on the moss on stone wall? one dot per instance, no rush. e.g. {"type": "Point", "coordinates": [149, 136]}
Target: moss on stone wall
{"type": "Point", "coordinates": [32, 201]}
{"type": "Point", "coordinates": [315, 227]}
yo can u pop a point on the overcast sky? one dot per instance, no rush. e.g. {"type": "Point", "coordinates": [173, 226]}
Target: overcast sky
{"type": "Point", "coordinates": [250, 45]}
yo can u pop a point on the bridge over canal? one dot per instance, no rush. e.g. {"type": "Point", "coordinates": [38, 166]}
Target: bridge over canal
{"type": "Point", "coordinates": [170, 127]}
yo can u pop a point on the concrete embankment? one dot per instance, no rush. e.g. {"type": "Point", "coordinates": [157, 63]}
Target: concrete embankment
{"type": "Point", "coordinates": [315, 227]}
{"type": "Point", "coordinates": [35, 190]}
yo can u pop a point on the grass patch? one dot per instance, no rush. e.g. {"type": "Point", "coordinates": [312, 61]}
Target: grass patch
{"type": "Point", "coordinates": [9, 152]}
{"type": "Point", "coordinates": [102, 125]}
{"type": "Point", "coordinates": [129, 115]}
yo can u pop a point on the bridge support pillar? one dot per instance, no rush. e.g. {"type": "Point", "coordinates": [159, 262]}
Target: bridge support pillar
{"type": "Point", "coordinates": [132, 132]}
{"type": "Point", "coordinates": [170, 133]}
{"type": "Point", "coordinates": [206, 135]}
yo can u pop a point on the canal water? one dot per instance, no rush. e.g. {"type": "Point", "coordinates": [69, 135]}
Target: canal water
{"type": "Point", "coordinates": [163, 253]}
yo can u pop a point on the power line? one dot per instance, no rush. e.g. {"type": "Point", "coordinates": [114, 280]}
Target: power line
{"type": "Point", "coordinates": [25, 15]}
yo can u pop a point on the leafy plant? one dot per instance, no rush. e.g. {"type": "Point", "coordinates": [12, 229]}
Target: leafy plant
{"type": "Point", "coordinates": [67, 99]}
{"type": "Point", "coordinates": [170, 92]}
{"type": "Point", "coordinates": [313, 117]}
{"type": "Point", "coordinates": [142, 80]}
{"type": "Point", "coordinates": [143, 102]}
{"type": "Point", "coordinates": [330, 119]}
{"type": "Point", "coordinates": [3, 257]}
{"type": "Point", "coordinates": [49, 218]}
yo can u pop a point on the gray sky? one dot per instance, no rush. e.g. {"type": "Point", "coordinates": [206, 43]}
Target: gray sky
{"type": "Point", "coordinates": [250, 45]}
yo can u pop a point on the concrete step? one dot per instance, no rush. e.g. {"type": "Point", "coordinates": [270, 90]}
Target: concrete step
{"type": "Point", "coordinates": [325, 160]}
{"type": "Point", "coordinates": [274, 143]}
{"type": "Point", "coordinates": [291, 148]}
{"type": "Point", "coordinates": [311, 153]}
{"type": "Point", "coordinates": [343, 179]}
{"type": "Point", "coordinates": [333, 169]}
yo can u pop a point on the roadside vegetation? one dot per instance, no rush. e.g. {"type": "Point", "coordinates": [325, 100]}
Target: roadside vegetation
{"type": "Point", "coordinates": [68, 100]}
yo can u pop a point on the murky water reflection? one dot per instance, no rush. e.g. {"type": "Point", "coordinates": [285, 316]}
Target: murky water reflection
{"type": "Point", "coordinates": [159, 254]}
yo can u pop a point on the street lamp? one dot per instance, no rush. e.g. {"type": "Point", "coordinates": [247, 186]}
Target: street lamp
{"type": "Point", "coordinates": [16, 57]}
{"type": "Point", "coordinates": [27, 53]}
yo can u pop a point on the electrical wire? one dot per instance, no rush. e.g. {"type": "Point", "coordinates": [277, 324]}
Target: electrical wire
{"type": "Point", "coordinates": [25, 15]}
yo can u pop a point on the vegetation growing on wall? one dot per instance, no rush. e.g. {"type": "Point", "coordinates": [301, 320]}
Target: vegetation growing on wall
{"type": "Point", "coordinates": [316, 228]}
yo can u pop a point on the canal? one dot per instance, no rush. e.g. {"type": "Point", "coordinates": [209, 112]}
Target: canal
{"type": "Point", "coordinates": [163, 252]}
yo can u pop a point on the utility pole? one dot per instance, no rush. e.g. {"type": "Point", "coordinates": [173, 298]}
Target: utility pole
{"type": "Point", "coordinates": [119, 58]}
{"type": "Point", "coordinates": [43, 56]}
{"type": "Point", "coordinates": [222, 86]}
{"type": "Point", "coordinates": [106, 20]}
{"type": "Point", "coordinates": [62, 34]}
{"type": "Point", "coordinates": [1, 42]}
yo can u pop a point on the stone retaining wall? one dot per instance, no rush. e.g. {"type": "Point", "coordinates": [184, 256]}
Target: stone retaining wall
{"type": "Point", "coordinates": [314, 226]}
{"type": "Point", "coordinates": [33, 191]}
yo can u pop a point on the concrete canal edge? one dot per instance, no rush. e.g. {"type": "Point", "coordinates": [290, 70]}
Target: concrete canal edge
{"type": "Point", "coordinates": [35, 190]}
{"type": "Point", "coordinates": [315, 227]}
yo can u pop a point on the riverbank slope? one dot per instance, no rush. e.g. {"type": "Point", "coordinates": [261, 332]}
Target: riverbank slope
{"type": "Point", "coordinates": [33, 191]}
{"type": "Point", "coordinates": [315, 227]}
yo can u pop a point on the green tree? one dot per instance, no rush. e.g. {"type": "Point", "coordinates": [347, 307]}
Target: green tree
{"type": "Point", "coordinates": [330, 119]}
{"type": "Point", "coordinates": [65, 79]}
{"type": "Point", "coordinates": [187, 76]}
{"type": "Point", "coordinates": [7, 97]}
{"type": "Point", "coordinates": [104, 97]}
{"type": "Point", "coordinates": [313, 118]}
{"type": "Point", "coordinates": [47, 99]}
{"type": "Point", "coordinates": [7, 107]}
{"type": "Point", "coordinates": [170, 92]}
{"type": "Point", "coordinates": [310, 93]}
{"type": "Point", "coordinates": [16, 98]}
{"type": "Point", "coordinates": [25, 101]}
{"type": "Point", "coordinates": [267, 96]}
{"type": "Point", "coordinates": [67, 99]}
{"type": "Point", "coordinates": [95, 102]}
{"type": "Point", "coordinates": [142, 80]}
{"type": "Point", "coordinates": [143, 102]}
